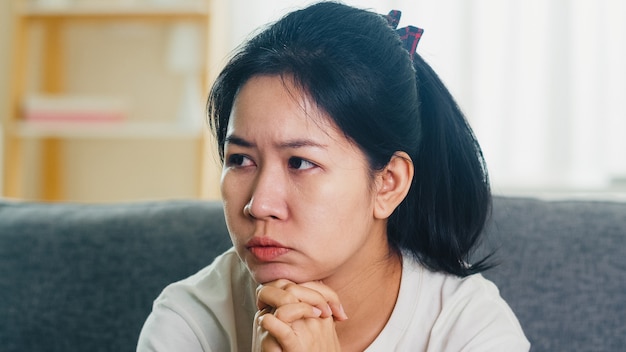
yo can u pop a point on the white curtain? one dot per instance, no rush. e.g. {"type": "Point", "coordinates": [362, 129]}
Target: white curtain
{"type": "Point", "coordinates": [543, 82]}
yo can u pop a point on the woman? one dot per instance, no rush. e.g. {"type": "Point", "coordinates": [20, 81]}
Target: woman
{"type": "Point", "coordinates": [354, 192]}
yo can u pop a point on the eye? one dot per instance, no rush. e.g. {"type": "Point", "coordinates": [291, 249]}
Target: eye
{"type": "Point", "coordinates": [238, 160]}
{"type": "Point", "coordinates": [300, 164]}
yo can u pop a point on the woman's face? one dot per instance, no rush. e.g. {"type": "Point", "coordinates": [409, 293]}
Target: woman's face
{"type": "Point", "coordinates": [298, 195]}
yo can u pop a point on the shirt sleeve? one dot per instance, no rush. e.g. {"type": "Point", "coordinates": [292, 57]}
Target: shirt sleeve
{"type": "Point", "coordinates": [167, 331]}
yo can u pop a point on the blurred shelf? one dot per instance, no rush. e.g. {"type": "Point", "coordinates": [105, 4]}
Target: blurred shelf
{"type": "Point", "coordinates": [40, 40]}
{"type": "Point", "coordinates": [106, 130]}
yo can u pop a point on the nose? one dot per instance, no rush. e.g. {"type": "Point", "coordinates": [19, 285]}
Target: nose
{"type": "Point", "coordinates": [268, 199]}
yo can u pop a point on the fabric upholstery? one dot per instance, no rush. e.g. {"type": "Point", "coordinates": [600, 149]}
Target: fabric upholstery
{"type": "Point", "coordinates": [83, 277]}
{"type": "Point", "coordinates": [78, 277]}
{"type": "Point", "coordinates": [563, 271]}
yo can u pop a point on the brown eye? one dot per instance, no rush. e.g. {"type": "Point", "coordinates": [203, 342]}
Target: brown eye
{"type": "Point", "coordinates": [238, 160]}
{"type": "Point", "coordinates": [300, 164]}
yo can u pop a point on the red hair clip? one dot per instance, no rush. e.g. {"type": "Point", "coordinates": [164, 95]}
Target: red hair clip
{"type": "Point", "coordinates": [409, 35]}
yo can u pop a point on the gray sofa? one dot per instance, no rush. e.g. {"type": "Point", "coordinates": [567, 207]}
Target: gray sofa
{"type": "Point", "coordinates": [77, 277]}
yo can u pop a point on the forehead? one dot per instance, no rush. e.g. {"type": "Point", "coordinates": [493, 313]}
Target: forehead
{"type": "Point", "coordinates": [273, 103]}
{"type": "Point", "coordinates": [270, 113]}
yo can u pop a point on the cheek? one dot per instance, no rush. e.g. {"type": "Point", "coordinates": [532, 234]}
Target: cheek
{"type": "Point", "coordinates": [234, 199]}
{"type": "Point", "coordinates": [339, 202]}
{"type": "Point", "coordinates": [224, 182]}
{"type": "Point", "coordinates": [233, 187]}
{"type": "Point", "coordinates": [347, 187]}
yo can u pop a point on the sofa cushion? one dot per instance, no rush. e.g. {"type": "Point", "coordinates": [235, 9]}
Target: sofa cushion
{"type": "Point", "coordinates": [563, 271]}
{"type": "Point", "coordinates": [83, 277]}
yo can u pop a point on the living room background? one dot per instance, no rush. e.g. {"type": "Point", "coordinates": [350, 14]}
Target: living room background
{"type": "Point", "coordinates": [542, 83]}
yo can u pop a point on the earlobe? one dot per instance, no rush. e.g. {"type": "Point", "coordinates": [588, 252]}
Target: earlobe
{"type": "Point", "coordinates": [393, 184]}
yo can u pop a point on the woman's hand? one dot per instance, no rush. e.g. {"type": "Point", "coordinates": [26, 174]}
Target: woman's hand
{"type": "Point", "coordinates": [296, 317]}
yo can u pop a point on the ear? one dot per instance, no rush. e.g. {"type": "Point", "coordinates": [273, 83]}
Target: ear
{"type": "Point", "coordinates": [392, 184]}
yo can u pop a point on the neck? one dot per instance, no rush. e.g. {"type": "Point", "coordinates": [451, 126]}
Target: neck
{"type": "Point", "coordinates": [368, 297]}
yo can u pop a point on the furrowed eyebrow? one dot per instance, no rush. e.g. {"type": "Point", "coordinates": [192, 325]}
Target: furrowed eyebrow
{"type": "Point", "coordinates": [300, 143]}
{"type": "Point", "coordinates": [233, 139]}
{"type": "Point", "coordinates": [289, 144]}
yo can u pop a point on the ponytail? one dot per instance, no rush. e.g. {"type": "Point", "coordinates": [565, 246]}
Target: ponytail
{"type": "Point", "coordinates": [443, 216]}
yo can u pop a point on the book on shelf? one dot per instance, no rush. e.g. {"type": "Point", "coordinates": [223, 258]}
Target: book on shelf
{"type": "Point", "coordinates": [73, 109]}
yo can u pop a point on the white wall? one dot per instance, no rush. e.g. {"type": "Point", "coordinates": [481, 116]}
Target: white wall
{"type": "Point", "coordinates": [541, 81]}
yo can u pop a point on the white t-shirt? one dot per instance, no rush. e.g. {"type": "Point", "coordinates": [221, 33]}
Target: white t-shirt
{"type": "Point", "coordinates": [213, 310]}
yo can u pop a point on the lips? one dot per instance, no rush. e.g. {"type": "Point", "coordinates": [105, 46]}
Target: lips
{"type": "Point", "coordinates": [265, 249]}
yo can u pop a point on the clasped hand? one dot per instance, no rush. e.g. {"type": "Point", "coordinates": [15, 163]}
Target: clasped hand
{"type": "Point", "coordinates": [296, 317]}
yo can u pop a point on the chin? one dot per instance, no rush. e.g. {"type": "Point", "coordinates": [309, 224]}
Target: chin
{"type": "Point", "coordinates": [265, 275]}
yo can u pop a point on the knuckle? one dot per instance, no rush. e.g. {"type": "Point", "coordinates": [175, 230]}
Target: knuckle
{"type": "Point", "coordinates": [281, 314]}
{"type": "Point", "coordinates": [281, 283]}
{"type": "Point", "coordinates": [291, 287]}
{"type": "Point", "coordinates": [287, 299]}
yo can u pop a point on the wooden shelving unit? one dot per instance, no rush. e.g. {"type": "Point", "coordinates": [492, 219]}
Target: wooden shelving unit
{"type": "Point", "coordinates": [51, 135]}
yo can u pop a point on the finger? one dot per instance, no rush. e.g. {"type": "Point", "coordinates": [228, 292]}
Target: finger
{"type": "Point", "coordinates": [265, 310]}
{"type": "Point", "coordinates": [277, 329]}
{"type": "Point", "coordinates": [292, 312]}
{"type": "Point", "coordinates": [311, 297]}
{"type": "Point", "coordinates": [280, 283]}
{"type": "Point", "coordinates": [262, 340]}
{"type": "Point", "coordinates": [304, 334]}
{"type": "Point", "coordinates": [268, 295]}
{"type": "Point", "coordinates": [331, 298]}
{"type": "Point", "coordinates": [315, 294]}
{"type": "Point", "coordinates": [268, 342]}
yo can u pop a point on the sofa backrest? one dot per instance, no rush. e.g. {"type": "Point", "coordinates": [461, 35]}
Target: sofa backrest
{"type": "Point", "coordinates": [83, 277]}
{"type": "Point", "coordinates": [563, 271]}
{"type": "Point", "coordinates": [77, 277]}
